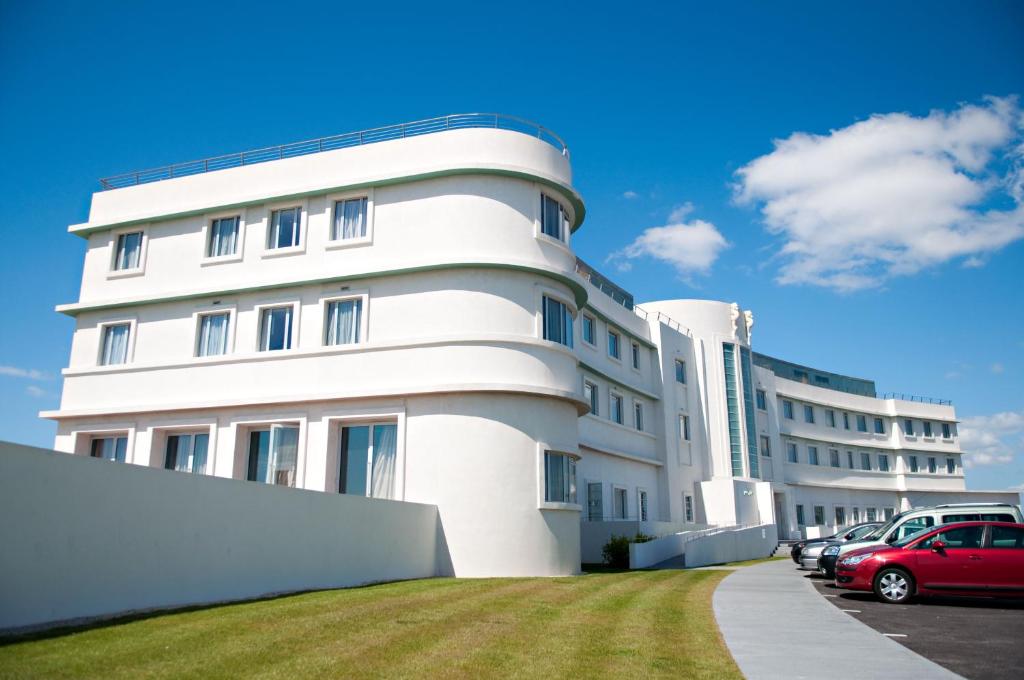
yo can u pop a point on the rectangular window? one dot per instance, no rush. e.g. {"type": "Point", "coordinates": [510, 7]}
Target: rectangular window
{"type": "Point", "coordinates": [620, 503]}
{"type": "Point", "coordinates": [276, 328]}
{"type": "Point", "coordinates": [883, 462]}
{"type": "Point", "coordinates": [129, 251]}
{"type": "Point", "coordinates": [732, 405]}
{"type": "Point", "coordinates": [638, 416]}
{"type": "Point", "coordinates": [284, 228]}
{"type": "Point", "coordinates": [946, 431]}
{"type": "Point", "coordinates": [273, 455]}
{"type": "Point", "coordinates": [762, 400]}
{"type": "Point", "coordinates": [791, 454]}
{"type": "Point", "coordinates": [213, 334]}
{"type": "Point", "coordinates": [913, 463]}
{"type": "Point", "coordinates": [223, 237]}
{"type": "Point", "coordinates": [927, 428]}
{"type": "Point", "coordinates": [833, 457]}
{"type": "Point", "coordinates": [590, 394]}
{"type": "Point", "coordinates": [595, 501]}
{"type": "Point", "coordinates": [849, 459]}
{"type": "Point", "coordinates": [951, 466]}
{"type": "Point", "coordinates": [613, 345]}
{"type": "Point", "coordinates": [801, 376]}
{"type": "Point", "coordinates": [684, 427]}
{"type": "Point", "coordinates": [800, 514]}
{"type": "Point", "coordinates": [889, 513]}
{"type": "Point", "coordinates": [808, 413]}
{"type": "Point", "coordinates": [879, 426]}
{"type": "Point", "coordinates": [908, 428]}
{"type": "Point", "coordinates": [840, 516]}
{"type": "Point", "coordinates": [856, 515]}
{"type": "Point", "coordinates": [342, 324]}
{"type": "Point", "coordinates": [747, 373]}
{"type": "Point", "coordinates": [616, 411]}
{"type": "Point", "coordinates": [115, 344]}
{"type": "Point", "coordinates": [830, 418]}
{"type": "Point", "coordinates": [688, 507]}
{"type": "Point", "coordinates": [187, 452]}
{"type": "Point", "coordinates": [349, 219]}
{"type": "Point", "coordinates": [557, 320]}
{"type": "Point", "coordinates": [787, 409]}
{"type": "Point", "coordinates": [588, 329]}
{"type": "Point", "coordinates": [680, 372]}
{"type": "Point", "coordinates": [641, 498]}
{"type": "Point", "coordinates": [933, 465]}
{"type": "Point", "coordinates": [368, 460]}
{"type": "Point", "coordinates": [846, 421]}
{"type": "Point", "coordinates": [812, 455]}
{"type": "Point", "coordinates": [113, 448]}
{"type": "Point", "coordinates": [865, 461]}
{"type": "Point", "coordinates": [559, 477]}
{"type": "Point", "coordinates": [871, 514]}
{"type": "Point", "coordinates": [636, 355]}
{"type": "Point", "coordinates": [766, 446]}
{"type": "Point", "coordinates": [553, 219]}
{"type": "Point", "coordinates": [862, 424]}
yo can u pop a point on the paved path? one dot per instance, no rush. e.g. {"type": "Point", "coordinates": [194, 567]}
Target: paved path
{"type": "Point", "coordinates": [777, 626]}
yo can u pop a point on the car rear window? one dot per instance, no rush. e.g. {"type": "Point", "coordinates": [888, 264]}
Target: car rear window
{"type": "Point", "coordinates": [960, 537]}
{"type": "Point", "coordinates": [1008, 537]}
{"type": "Point", "coordinates": [1002, 517]}
{"type": "Point", "coordinates": [948, 519]}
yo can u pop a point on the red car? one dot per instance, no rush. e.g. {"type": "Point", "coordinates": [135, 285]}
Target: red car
{"type": "Point", "coordinates": [965, 558]}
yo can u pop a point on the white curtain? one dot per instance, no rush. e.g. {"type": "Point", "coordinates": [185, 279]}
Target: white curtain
{"type": "Point", "coordinates": [350, 219]}
{"type": "Point", "coordinates": [128, 250]}
{"type": "Point", "coordinates": [343, 321]}
{"type": "Point", "coordinates": [385, 444]}
{"type": "Point", "coordinates": [115, 344]}
{"type": "Point", "coordinates": [284, 445]}
{"type": "Point", "coordinates": [200, 444]}
{"type": "Point", "coordinates": [213, 335]}
{"type": "Point", "coordinates": [224, 237]}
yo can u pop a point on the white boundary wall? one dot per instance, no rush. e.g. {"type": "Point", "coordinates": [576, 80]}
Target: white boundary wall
{"type": "Point", "coordinates": [86, 538]}
{"type": "Point", "coordinates": [732, 545]}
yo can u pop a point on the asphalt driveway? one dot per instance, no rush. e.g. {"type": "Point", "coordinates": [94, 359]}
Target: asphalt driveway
{"type": "Point", "coordinates": [980, 639]}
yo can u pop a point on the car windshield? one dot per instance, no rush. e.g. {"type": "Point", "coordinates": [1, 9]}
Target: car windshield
{"type": "Point", "coordinates": [861, 532]}
{"type": "Point", "coordinates": [909, 538]}
{"type": "Point", "coordinates": [877, 534]}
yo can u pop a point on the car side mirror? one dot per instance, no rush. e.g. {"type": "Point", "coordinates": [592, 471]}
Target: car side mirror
{"type": "Point", "coordinates": [891, 538]}
{"type": "Point", "coordinates": [938, 546]}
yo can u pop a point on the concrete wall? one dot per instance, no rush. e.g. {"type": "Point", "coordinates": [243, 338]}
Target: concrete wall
{"type": "Point", "coordinates": [731, 545]}
{"type": "Point", "coordinates": [84, 537]}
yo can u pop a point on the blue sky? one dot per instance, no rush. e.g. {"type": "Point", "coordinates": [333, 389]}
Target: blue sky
{"type": "Point", "coordinates": [671, 114]}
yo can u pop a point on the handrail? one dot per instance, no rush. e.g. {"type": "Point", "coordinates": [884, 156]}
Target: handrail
{"type": "Point", "coordinates": [913, 397]}
{"type": "Point", "coordinates": [455, 121]}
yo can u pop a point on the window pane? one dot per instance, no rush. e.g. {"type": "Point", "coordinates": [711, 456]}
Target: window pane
{"type": "Point", "coordinates": [588, 329]}
{"type": "Point", "coordinates": [129, 247]}
{"type": "Point", "coordinates": [276, 329]}
{"type": "Point", "coordinates": [284, 444]}
{"type": "Point", "coordinates": [385, 447]}
{"type": "Point", "coordinates": [762, 401]}
{"type": "Point", "coordinates": [115, 344]}
{"type": "Point", "coordinates": [259, 455]}
{"type": "Point", "coordinates": [284, 228]}
{"type": "Point", "coordinates": [223, 237]}
{"type": "Point", "coordinates": [613, 344]}
{"type": "Point", "coordinates": [200, 444]}
{"type": "Point", "coordinates": [551, 217]}
{"type": "Point", "coordinates": [343, 321]}
{"type": "Point", "coordinates": [1007, 538]}
{"type": "Point", "coordinates": [349, 219]}
{"type": "Point", "coordinates": [213, 335]}
{"type": "Point", "coordinates": [555, 481]}
{"type": "Point", "coordinates": [355, 451]}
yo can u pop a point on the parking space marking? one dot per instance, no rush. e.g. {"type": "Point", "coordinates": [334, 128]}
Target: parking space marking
{"type": "Point", "coordinates": [894, 635]}
{"type": "Point", "coordinates": [827, 595]}
{"type": "Point", "coordinates": [850, 611]}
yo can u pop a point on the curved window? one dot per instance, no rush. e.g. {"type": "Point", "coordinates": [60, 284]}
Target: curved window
{"type": "Point", "coordinates": [553, 219]}
{"type": "Point", "coordinates": [557, 321]}
{"type": "Point", "coordinates": [559, 477]}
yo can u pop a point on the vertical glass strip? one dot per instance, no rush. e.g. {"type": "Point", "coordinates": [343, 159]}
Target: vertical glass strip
{"type": "Point", "coordinates": [733, 408]}
{"type": "Point", "coordinates": [748, 409]}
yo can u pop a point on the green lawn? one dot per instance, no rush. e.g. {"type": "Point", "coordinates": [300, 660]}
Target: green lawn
{"type": "Point", "coordinates": [627, 624]}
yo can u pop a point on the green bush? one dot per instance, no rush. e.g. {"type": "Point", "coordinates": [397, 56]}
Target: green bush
{"type": "Point", "coordinates": [616, 550]}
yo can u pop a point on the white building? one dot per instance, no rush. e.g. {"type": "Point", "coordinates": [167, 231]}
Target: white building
{"type": "Point", "coordinates": [399, 313]}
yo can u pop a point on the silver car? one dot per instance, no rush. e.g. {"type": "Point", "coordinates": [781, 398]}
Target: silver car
{"type": "Point", "coordinates": [809, 555]}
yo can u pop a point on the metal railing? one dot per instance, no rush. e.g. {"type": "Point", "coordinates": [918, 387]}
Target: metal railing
{"type": "Point", "coordinates": [914, 397]}
{"type": "Point", "coordinates": [456, 121]}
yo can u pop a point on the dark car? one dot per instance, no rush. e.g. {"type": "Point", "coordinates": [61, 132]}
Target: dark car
{"type": "Point", "coordinates": [964, 558]}
{"type": "Point", "coordinates": [826, 560]}
{"type": "Point", "coordinates": [847, 534]}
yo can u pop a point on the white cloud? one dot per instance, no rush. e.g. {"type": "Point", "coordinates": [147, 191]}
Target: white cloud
{"type": "Point", "coordinates": [992, 440]}
{"type": "Point", "coordinates": [892, 195]}
{"type": "Point", "coordinates": [997, 368]}
{"type": "Point", "coordinates": [28, 373]}
{"type": "Point", "coordinates": [690, 247]}
{"type": "Point", "coordinates": [35, 391]}
{"type": "Point", "coordinates": [630, 194]}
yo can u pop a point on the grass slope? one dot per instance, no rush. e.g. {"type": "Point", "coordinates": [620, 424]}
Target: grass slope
{"type": "Point", "coordinates": [629, 624]}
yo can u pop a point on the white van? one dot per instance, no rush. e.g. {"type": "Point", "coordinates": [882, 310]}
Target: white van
{"type": "Point", "coordinates": [912, 521]}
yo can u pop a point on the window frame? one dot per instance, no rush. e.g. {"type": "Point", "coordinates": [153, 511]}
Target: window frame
{"type": "Point", "coordinates": [788, 413]}
{"type": "Point", "coordinates": [364, 314]}
{"type": "Point", "coordinates": [680, 368]}
{"type": "Point", "coordinates": [830, 417]}
{"type": "Point", "coordinates": [208, 221]}
{"type": "Point", "coordinates": [883, 463]}
{"type": "Point", "coordinates": [809, 414]}
{"type": "Point", "coordinates": [584, 318]}
{"type": "Point", "coordinates": [949, 460]}
{"type": "Point", "coordinates": [571, 474]}
{"type": "Point", "coordinates": [688, 510]}
{"type": "Point", "coordinates": [634, 355]}
{"type": "Point", "coordinates": [595, 397]}
{"type": "Point", "coordinates": [561, 299]}
{"type": "Point", "coordinates": [761, 399]}
{"type": "Point", "coordinates": [879, 426]}
{"type": "Point", "coordinates": [614, 395]}
{"type": "Point", "coordinates": [129, 352]}
{"type": "Point", "coordinates": [865, 456]}
{"type": "Point", "coordinates": [115, 235]}
{"type": "Point", "coordinates": [268, 219]}
{"type": "Point", "coordinates": [564, 238]}
{"type": "Point", "coordinates": [617, 344]}
{"type": "Point", "coordinates": [792, 452]}
{"type": "Point", "coordinates": [642, 508]}
{"type": "Point", "coordinates": [861, 418]}
{"type": "Point", "coordinates": [296, 306]}
{"type": "Point", "coordinates": [685, 434]}
{"type": "Point", "coordinates": [813, 459]}
{"type": "Point", "coordinates": [331, 201]}
{"type": "Point", "coordinates": [209, 310]}
{"type": "Point", "coordinates": [638, 415]}
{"type": "Point", "coordinates": [765, 446]}
{"type": "Point", "coordinates": [616, 489]}
{"type": "Point", "coordinates": [83, 438]}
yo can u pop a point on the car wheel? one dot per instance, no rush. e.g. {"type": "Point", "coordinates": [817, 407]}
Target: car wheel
{"type": "Point", "coordinates": [894, 586]}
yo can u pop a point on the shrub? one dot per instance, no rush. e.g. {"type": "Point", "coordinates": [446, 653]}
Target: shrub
{"type": "Point", "coordinates": [642, 538]}
{"type": "Point", "coordinates": [616, 550]}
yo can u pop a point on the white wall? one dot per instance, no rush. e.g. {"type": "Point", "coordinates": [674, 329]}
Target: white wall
{"type": "Point", "coordinates": [84, 537]}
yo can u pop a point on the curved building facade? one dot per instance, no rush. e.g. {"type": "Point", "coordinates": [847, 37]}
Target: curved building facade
{"type": "Point", "coordinates": [406, 319]}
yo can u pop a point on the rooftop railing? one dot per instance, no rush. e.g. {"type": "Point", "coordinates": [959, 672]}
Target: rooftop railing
{"type": "Point", "coordinates": [914, 397]}
{"type": "Point", "coordinates": [456, 121]}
